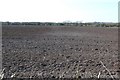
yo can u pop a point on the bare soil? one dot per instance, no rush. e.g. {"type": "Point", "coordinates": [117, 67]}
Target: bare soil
{"type": "Point", "coordinates": [59, 52]}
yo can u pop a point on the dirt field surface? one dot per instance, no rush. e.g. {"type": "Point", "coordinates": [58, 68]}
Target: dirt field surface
{"type": "Point", "coordinates": [60, 52]}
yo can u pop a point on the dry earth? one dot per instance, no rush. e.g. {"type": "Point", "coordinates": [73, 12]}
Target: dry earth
{"type": "Point", "coordinates": [59, 52]}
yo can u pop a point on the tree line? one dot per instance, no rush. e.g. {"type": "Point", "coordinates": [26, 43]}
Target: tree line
{"type": "Point", "coordinates": [94, 24]}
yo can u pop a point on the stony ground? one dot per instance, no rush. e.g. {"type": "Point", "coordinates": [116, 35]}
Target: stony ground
{"type": "Point", "coordinates": [59, 52]}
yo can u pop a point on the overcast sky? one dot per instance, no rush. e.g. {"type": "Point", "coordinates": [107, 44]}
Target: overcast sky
{"type": "Point", "coordinates": [59, 10]}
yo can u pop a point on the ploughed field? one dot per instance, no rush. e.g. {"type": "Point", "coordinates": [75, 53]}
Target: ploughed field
{"type": "Point", "coordinates": [59, 52]}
